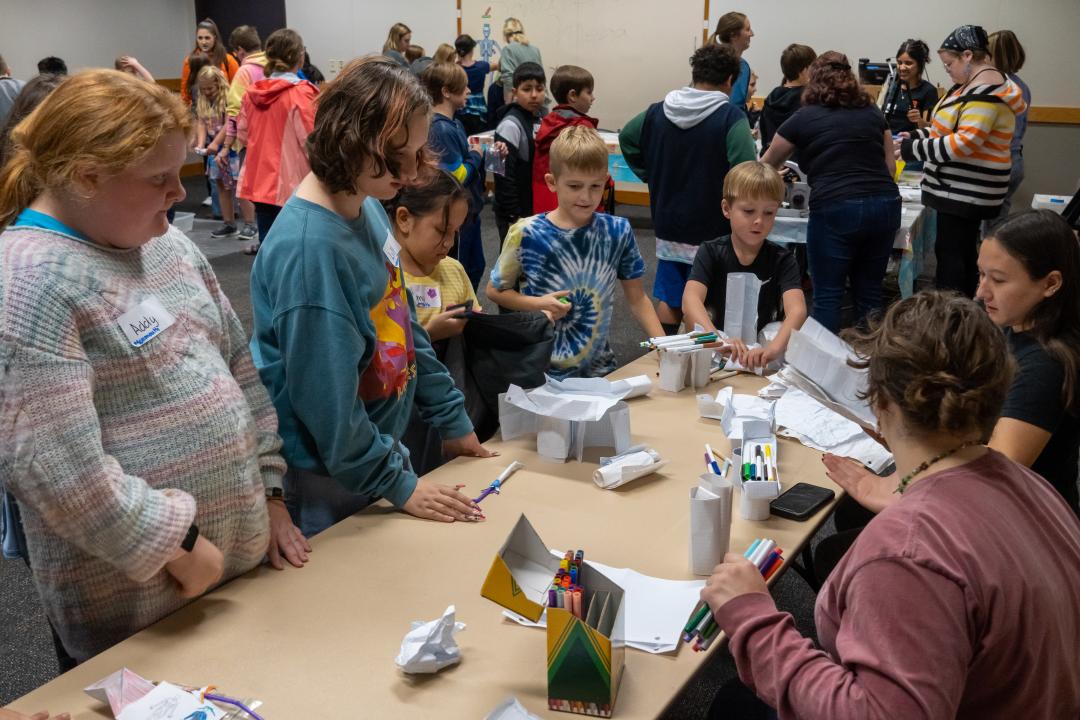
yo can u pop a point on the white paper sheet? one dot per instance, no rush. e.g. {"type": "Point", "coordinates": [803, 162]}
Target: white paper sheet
{"type": "Point", "coordinates": [654, 609]}
{"type": "Point", "coordinates": [581, 399]}
{"type": "Point", "coordinates": [814, 425]}
{"type": "Point", "coordinates": [510, 709]}
{"type": "Point", "coordinates": [820, 361]}
{"type": "Point", "coordinates": [741, 305]}
{"type": "Point", "coordinates": [430, 646]}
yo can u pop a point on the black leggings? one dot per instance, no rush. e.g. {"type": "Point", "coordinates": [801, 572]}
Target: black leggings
{"type": "Point", "coordinates": [850, 518]}
{"type": "Point", "coordinates": [957, 249]}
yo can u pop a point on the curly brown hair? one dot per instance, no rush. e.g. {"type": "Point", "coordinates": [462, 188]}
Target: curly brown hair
{"type": "Point", "coordinates": [370, 102]}
{"type": "Point", "coordinates": [940, 359]}
{"type": "Point", "coordinates": [832, 84]}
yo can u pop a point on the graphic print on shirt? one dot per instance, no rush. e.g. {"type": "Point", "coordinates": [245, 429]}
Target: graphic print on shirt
{"type": "Point", "coordinates": [588, 262]}
{"type": "Point", "coordinates": [393, 364]}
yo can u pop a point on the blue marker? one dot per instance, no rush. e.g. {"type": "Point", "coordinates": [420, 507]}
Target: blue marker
{"type": "Point", "coordinates": [753, 546]}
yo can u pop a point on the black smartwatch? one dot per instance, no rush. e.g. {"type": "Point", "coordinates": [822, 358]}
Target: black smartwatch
{"type": "Point", "coordinates": [189, 540]}
{"type": "Point", "coordinates": [275, 493]}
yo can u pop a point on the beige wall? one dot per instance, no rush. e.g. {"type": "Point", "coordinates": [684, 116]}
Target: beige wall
{"type": "Point", "coordinates": [1051, 162]}
{"type": "Point", "coordinates": [875, 29]}
{"type": "Point", "coordinates": [345, 29]}
{"type": "Point", "coordinates": [91, 33]}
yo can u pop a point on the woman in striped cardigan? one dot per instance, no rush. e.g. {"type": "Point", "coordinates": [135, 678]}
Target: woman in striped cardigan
{"type": "Point", "coordinates": [966, 153]}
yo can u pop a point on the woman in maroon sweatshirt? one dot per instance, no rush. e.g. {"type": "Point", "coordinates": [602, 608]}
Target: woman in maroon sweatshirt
{"type": "Point", "coordinates": [960, 600]}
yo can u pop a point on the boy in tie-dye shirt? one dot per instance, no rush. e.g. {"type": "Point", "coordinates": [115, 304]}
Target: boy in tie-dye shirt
{"type": "Point", "coordinates": [566, 262]}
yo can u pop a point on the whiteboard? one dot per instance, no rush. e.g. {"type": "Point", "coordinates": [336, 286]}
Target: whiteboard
{"type": "Point", "coordinates": [875, 29]}
{"type": "Point", "coordinates": [345, 29]}
{"type": "Point", "coordinates": [637, 50]}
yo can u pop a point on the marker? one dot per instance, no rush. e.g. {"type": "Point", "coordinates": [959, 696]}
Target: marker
{"type": "Point", "coordinates": [711, 459]}
{"type": "Point", "coordinates": [553, 598]}
{"type": "Point", "coordinates": [573, 574]}
{"type": "Point", "coordinates": [561, 598]}
{"type": "Point", "coordinates": [700, 611]}
{"type": "Point", "coordinates": [750, 550]}
{"type": "Point", "coordinates": [762, 552]}
{"type": "Point", "coordinates": [768, 561]}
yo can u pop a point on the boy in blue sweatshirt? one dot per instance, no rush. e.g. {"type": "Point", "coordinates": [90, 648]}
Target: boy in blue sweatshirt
{"type": "Point", "coordinates": [335, 341]}
{"type": "Point", "coordinates": [448, 86]}
{"type": "Point", "coordinates": [683, 147]}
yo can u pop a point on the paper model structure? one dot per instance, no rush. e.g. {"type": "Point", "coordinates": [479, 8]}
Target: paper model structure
{"type": "Point", "coordinates": [819, 361]}
{"type": "Point", "coordinates": [585, 655]}
{"type": "Point", "coordinates": [570, 415]}
{"type": "Point", "coordinates": [741, 306]}
{"type": "Point", "coordinates": [120, 689]}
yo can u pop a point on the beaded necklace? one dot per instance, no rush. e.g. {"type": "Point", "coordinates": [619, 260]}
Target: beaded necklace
{"type": "Point", "coordinates": [927, 463]}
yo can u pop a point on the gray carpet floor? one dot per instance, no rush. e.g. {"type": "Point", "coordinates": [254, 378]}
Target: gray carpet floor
{"type": "Point", "coordinates": [27, 659]}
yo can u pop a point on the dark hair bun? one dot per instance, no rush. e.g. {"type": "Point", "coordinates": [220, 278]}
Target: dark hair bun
{"type": "Point", "coordinates": [940, 360]}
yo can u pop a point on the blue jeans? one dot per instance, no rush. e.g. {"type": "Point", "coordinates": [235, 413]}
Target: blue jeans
{"type": "Point", "coordinates": [316, 502]}
{"type": "Point", "coordinates": [265, 214]}
{"type": "Point", "coordinates": [471, 251]}
{"type": "Point", "coordinates": [850, 241]}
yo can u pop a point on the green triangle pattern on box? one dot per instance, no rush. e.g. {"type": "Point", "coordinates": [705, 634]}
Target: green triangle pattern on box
{"type": "Point", "coordinates": [577, 668]}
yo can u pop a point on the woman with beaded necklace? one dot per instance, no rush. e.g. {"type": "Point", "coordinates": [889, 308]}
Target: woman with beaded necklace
{"type": "Point", "coordinates": [958, 600]}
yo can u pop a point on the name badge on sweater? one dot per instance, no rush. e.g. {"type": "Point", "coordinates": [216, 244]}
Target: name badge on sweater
{"type": "Point", "coordinates": [145, 322]}
{"type": "Point", "coordinates": [391, 249]}
{"type": "Point", "coordinates": [426, 296]}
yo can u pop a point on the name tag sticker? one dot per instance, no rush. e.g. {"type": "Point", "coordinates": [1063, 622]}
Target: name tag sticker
{"type": "Point", "coordinates": [426, 296]}
{"type": "Point", "coordinates": [145, 322]}
{"type": "Point", "coordinates": [391, 249]}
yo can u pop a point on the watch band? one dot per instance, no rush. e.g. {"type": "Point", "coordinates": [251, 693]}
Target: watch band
{"type": "Point", "coordinates": [188, 543]}
{"type": "Point", "coordinates": [275, 493]}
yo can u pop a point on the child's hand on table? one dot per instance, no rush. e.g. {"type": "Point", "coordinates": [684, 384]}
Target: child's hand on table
{"type": "Point", "coordinates": [440, 502]}
{"type": "Point", "coordinates": [286, 540]}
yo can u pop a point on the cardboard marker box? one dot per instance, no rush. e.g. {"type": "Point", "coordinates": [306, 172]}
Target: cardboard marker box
{"type": "Point", "coordinates": [584, 656]}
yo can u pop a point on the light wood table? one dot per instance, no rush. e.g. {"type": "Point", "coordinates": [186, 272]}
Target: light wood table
{"type": "Point", "coordinates": [321, 641]}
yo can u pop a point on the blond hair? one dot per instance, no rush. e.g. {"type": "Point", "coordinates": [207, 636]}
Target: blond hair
{"type": "Point", "coordinates": [579, 148]}
{"type": "Point", "coordinates": [445, 53]}
{"type": "Point", "coordinates": [512, 28]}
{"type": "Point", "coordinates": [204, 108]}
{"type": "Point", "coordinates": [753, 180]}
{"type": "Point", "coordinates": [103, 119]}
{"type": "Point", "coordinates": [393, 38]}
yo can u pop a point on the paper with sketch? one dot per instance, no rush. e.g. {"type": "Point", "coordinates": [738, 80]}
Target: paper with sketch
{"type": "Point", "coordinates": [631, 466]}
{"type": "Point", "coordinates": [819, 361]}
{"type": "Point", "coordinates": [654, 609]}
{"type": "Point", "coordinates": [168, 702]}
{"type": "Point", "coordinates": [510, 709]}
{"type": "Point", "coordinates": [741, 306]}
{"type": "Point", "coordinates": [120, 689]}
{"type": "Point", "coordinates": [814, 425]}
{"type": "Point", "coordinates": [430, 646]}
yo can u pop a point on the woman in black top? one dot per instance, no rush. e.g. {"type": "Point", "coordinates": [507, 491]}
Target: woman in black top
{"type": "Point", "coordinates": [1029, 269]}
{"type": "Point", "coordinates": [916, 97]}
{"type": "Point", "coordinates": [846, 149]}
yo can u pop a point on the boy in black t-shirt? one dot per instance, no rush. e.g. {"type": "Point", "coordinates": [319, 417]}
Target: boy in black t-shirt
{"type": "Point", "coordinates": [752, 195]}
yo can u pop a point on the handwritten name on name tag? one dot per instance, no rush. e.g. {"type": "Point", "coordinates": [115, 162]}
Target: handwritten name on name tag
{"type": "Point", "coordinates": [145, 321]}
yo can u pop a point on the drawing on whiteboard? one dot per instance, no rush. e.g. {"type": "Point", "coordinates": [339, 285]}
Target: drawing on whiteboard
{"type": "Point", "coordinates": [488, 47]}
